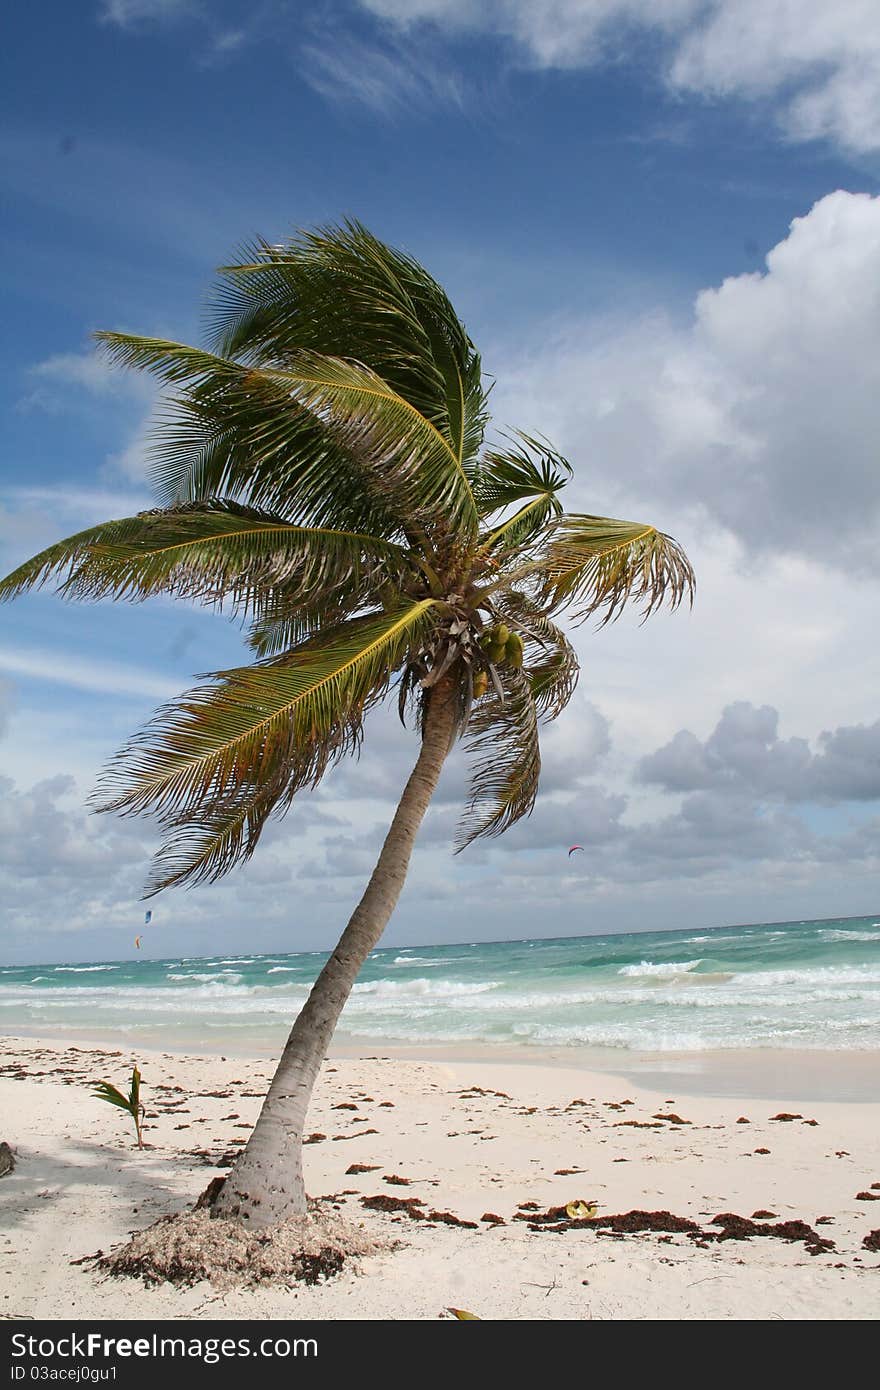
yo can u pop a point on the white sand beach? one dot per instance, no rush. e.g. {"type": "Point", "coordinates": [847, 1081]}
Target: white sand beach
{"type": "Point", "coordinates": [470, 1138]}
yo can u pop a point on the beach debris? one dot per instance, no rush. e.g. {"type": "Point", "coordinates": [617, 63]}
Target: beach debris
{"type": "Point", "coordinates": [470, 1091]}
{"type": "Point", "coordinates": [579, 1210]}
{"type": "Point", "coordinates": [567, 1172]}
{"type": "Point", "coordinates": [447, 1218]}
{"type": "Point", "coordinates": [528, 1206]}
{"type": "Point", "coordinates": [187, 1248]}
{"type": "Point", "coordinates": [762, 1151]}
{"type": "Point", "coordinates": [359, 1135]}
{"type": "Point", "coordinates": [672, 1119]}
{"type": "Point", "coordinates": [492, 1219]}
{"type": "Point", "coordinates": [872, 1240]}
{"type": "Point", "coordinates": [741, 1228]}
{"type": "Point", "coordinates": [355, 1168]}
{"type": "Point", "coordinates": [743, 1121]}
{"type": "Point", "coordinates": [405, 1205]}
{"type": "Point", "coordinates": [409, 1206]}
{"type": "Point", "coordinates": [315, 1139]}
{"type": "Point", "coordinates": [824, 1221]}
{"type": "Point", "coordinates": [463, 1315]}
{"type": "Point", "coordinates": [733, 1227]}
{"type": "Point", "coordinates": [7, 1159]}
{"type": "Point", "coordinates": [344, 1105]}
{"type": "Point", "coordinates": [210, 1194]}
{"type": "Point", "coordinates": [395, 1180]}
{"type": "Point", "coordinates": [761, 1215]}
{"type": "Point", "coordinates": [868, 1196]}
{"type": "Point", "coordinates": [621, 1223]}
{"type": "Point", "coordinates": [784, 1115]}
{"type": "Point", "coordinates": [130, 1103]}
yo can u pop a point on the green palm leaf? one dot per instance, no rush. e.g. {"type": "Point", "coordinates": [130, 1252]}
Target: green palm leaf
{"type": "Point", "coordinates": [531, 469]}
{"type": "Point", "coordinates": [213, 552]}
{"type": "Point", "coordinates": [261, 731]}
{"type": "Point", "coordinates": [596, 565]}
{"type": "Point", "coordinates": [410, 463]}
{"type": "Point", "coordinates": [269, 452]}
{"type": "Point", "coordinates": [506, 760]}
{"type": "Point", "coordinates": [343, 293]}
{"type": "Point", "coordinates": [207, 843]}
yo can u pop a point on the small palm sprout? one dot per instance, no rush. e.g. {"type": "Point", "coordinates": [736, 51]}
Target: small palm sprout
{"type": "Point", "coordinates": [131, 1102]}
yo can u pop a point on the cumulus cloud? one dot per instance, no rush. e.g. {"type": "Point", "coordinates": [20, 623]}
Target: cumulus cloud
{"type": "Point", "coordinates": [47, 836]}
{"type": "Point", "coordinates": [763, 411]}
{"type": "Point", "coordinates": [745, 754]}
{"type": "Point", "coordinates": [824, 59]}
{"type": "Point", "coordinates": [820, 62]}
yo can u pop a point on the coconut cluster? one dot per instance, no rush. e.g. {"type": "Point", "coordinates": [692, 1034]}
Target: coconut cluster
{"type": "Point", "coordinates": [498, 644]}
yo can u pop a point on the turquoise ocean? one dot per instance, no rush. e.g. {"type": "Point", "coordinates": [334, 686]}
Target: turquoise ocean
{"type": "Point", "coordinates": [778, 985]}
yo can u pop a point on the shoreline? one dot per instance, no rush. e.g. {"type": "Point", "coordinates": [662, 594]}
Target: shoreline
{"type": "Point", "coordinates": [796, 1074]}
{"type": "Point", "coordinates": [469, 1137]}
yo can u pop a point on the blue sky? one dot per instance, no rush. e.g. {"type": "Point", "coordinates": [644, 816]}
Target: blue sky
{"type": "Point", "coordinates": [661, 224]}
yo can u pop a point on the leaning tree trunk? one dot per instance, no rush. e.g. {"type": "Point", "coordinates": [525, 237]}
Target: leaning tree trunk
{"type": "Point", "coordinates": [266, 1183]}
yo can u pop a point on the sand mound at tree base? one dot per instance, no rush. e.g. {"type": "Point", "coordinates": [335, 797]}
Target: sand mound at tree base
{"type": "Point", "coordinates": [192, 1246]}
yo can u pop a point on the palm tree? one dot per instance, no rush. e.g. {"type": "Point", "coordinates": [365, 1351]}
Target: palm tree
{"type": "Point", "coordinates": [323, 478]}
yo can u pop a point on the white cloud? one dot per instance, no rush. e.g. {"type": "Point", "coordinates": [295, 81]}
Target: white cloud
{"type": "Point", "coordinates": [6, 705]}
{"type": "Point", "coordinates": [32, 518]}
{"type": "Point", "coordinates": [100, 677]}
{"type": "Point", "coordinates": [763, 413]}
{"type": "Point", "coordinates": [386, 78]}
{"type": "Point", "coordinates": [745, 754]}
{"type": "Point", "coordinates": [76, 380]}
{"type": "Point", "coordinates": [820, 62]}
{"type": "Point", "coordinates": [823, 58]}
{"type": "Point", "coordinates": [84, 369]}
{"type": "Point", "coordinates": [127, 12]}
{"type": "Point", "coordinates": [60, 380]}
{"type": "Point", "coordinates": [80, 501]}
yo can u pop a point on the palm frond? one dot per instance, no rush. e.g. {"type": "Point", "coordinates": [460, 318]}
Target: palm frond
{"type": "Point", "coordinates": [597, 565]}
{"type": "Point", "coordinates": [213, 552]}
{"type": "Point", "coordinates": [341, 292]}
{"type": "Point", "coordinates": [208, 443]}
{"type": "Point", "coordinates": [205, 845]}
{"type": "Point", "coordinates": [551, 662]}
{"type": "Point", "coordinates": [259, 732]}
{"type": "Point", "coordinates": [277, 417]}
{"type": "Point", "coordinates": [506, 760]}
{"type": "Point", "coordinates": [527, 469]}
{"type": "Point", "coordinates": [520, 530]}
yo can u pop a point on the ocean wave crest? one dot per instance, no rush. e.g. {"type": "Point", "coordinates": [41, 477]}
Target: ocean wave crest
{"type": "Point", "coordinates": [666, 971]}
{"type": "Point", "coordinates": [81, 969]}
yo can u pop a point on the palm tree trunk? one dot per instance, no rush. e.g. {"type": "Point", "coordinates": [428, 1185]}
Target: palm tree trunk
{"type": "Point", "coordinates": [266, 1183]}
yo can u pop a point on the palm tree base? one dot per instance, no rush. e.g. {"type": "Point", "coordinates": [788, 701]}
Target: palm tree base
{"type": "Point", "coordinates": [194, 1246]}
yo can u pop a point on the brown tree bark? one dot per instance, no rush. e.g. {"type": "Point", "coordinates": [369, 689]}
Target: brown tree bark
{"type": "Point", "coordinates": [266, 1183]}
